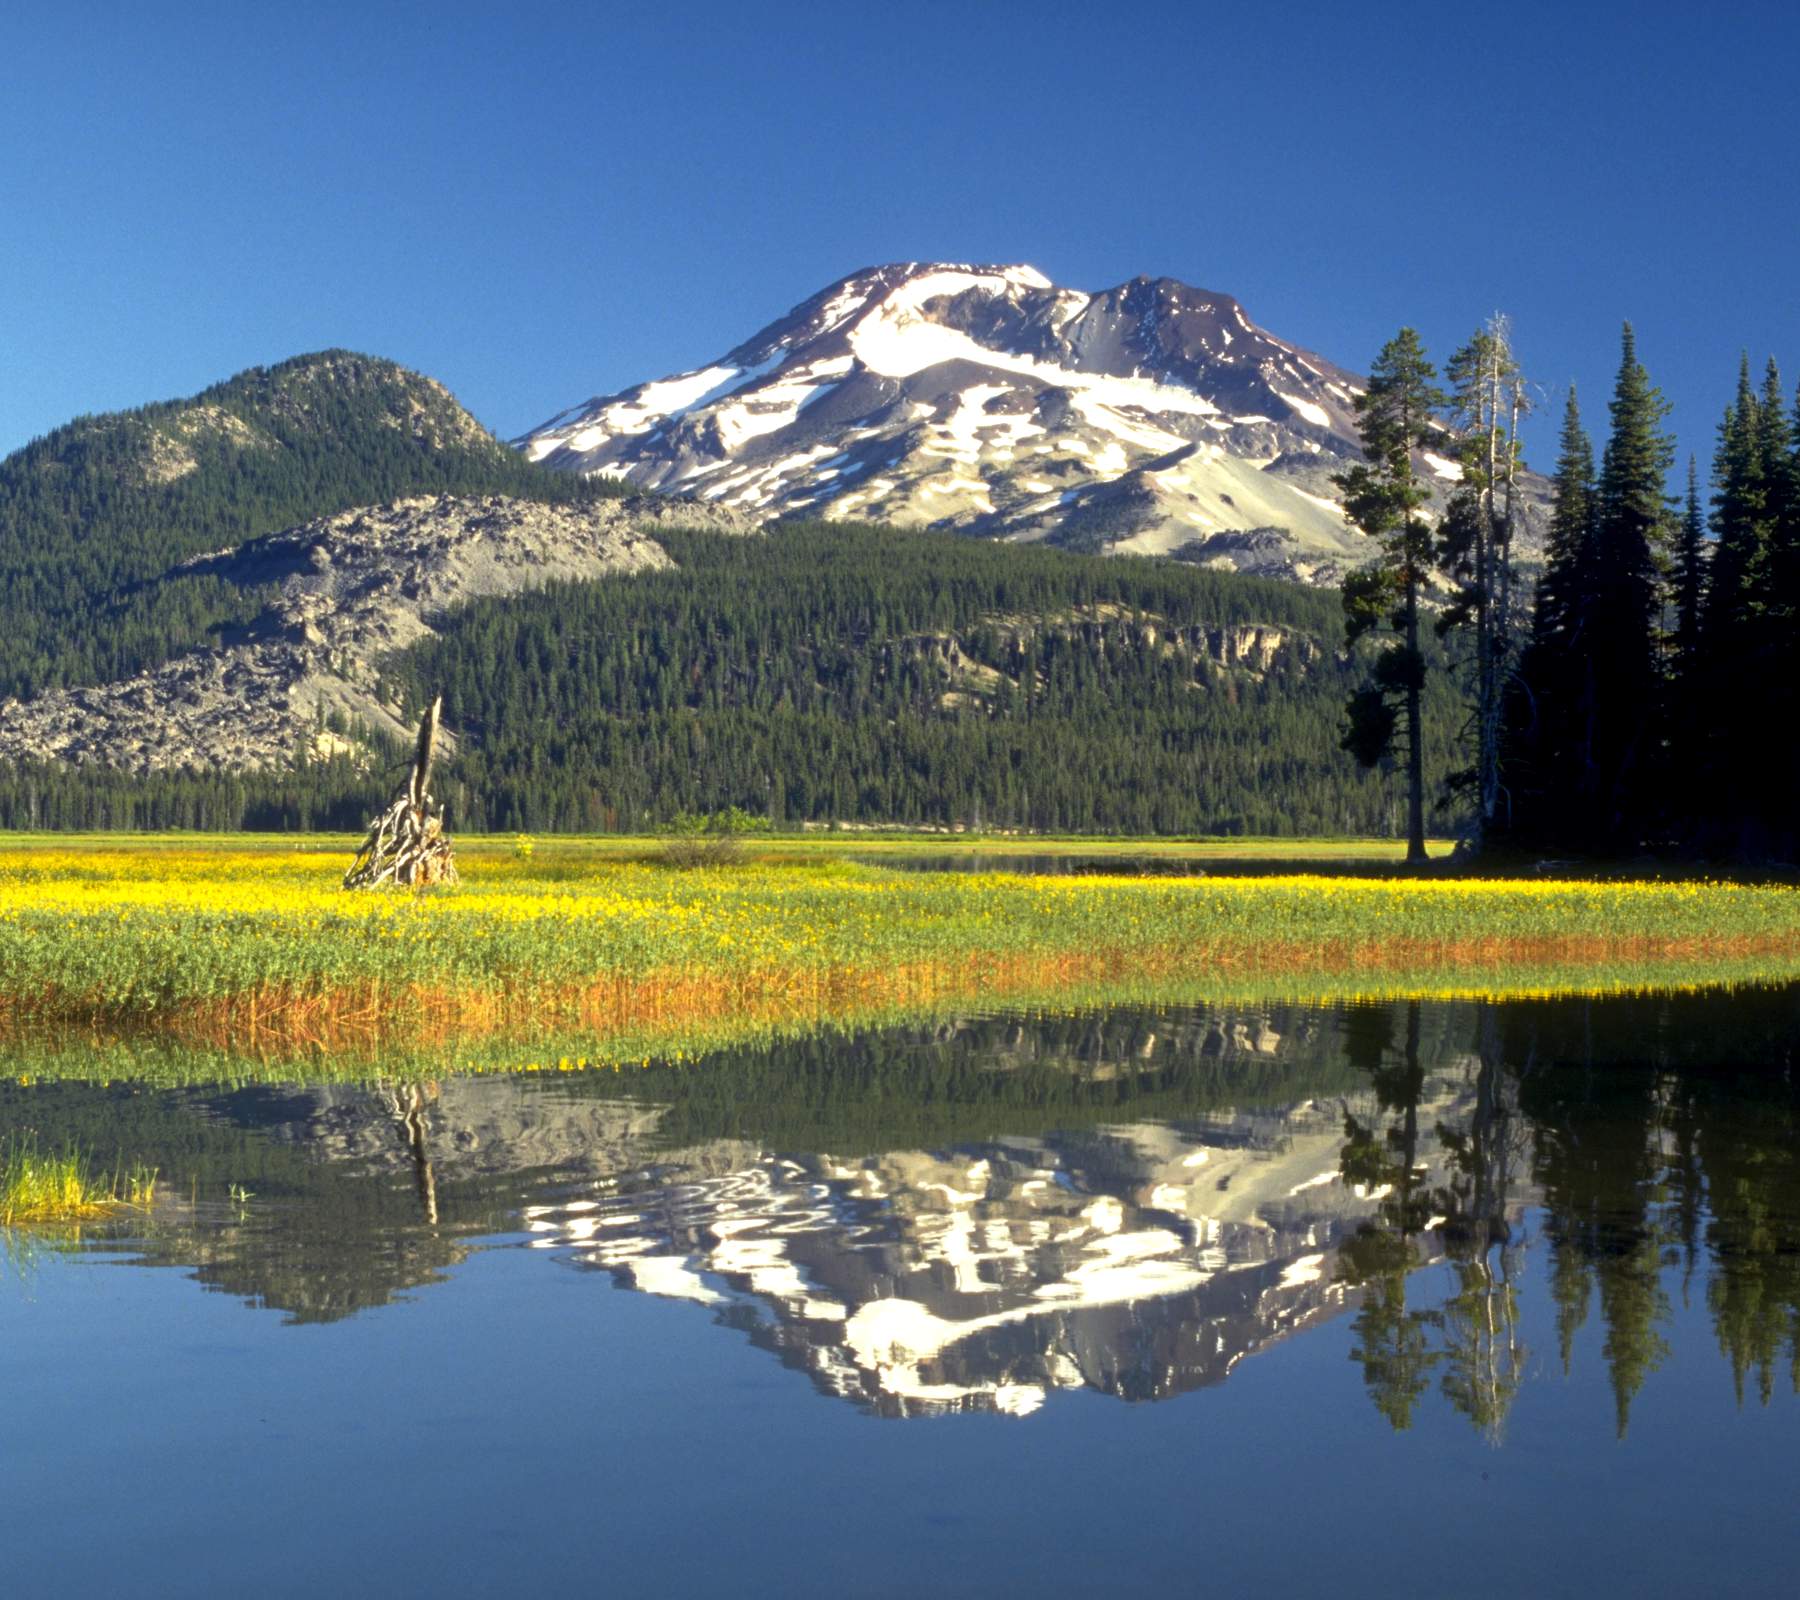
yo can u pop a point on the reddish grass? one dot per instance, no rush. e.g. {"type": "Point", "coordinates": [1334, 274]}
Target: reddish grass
{"type": "Point", "coordinates": [274, 1016]}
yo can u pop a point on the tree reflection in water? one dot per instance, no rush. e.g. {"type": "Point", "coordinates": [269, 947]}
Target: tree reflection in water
{"type": "Point", "coordinates": [1473, 1337]}
{"type": "Point", "coordinates": [1654, 1134]}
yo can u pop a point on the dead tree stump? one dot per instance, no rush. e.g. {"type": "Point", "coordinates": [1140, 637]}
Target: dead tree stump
{"type": "Point", "coordinates": [407, 844]}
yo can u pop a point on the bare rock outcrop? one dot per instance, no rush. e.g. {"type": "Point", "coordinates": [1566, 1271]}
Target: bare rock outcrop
{"type": "Point", "coordinates": [345, 592]}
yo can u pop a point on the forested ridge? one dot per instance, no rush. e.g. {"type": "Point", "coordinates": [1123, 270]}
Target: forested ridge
{"type": "Point", "coordinates": [870, 674]}
{"type": "Point", "coordinates": [91, 513]}
{"type": "Point", "coordinates": [857, 674]}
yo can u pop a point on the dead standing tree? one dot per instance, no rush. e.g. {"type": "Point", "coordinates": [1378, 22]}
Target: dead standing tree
{"type": "Point", "coordinates": [407, 844]}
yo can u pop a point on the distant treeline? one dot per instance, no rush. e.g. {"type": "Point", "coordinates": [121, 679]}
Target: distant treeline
{"type": "Point", "coordinates": [844, 673]}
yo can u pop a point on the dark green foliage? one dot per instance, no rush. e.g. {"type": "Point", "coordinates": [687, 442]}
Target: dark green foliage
{"type": "Point", "coordinates": [1386, 500]}
{"type": "Point", "coordinates": [1740, 669]}
{"type": "Point", "coordinates": [1567, 554]}
{"type": "Point", "coordinates": [1370, 719]}
{"type": "Point", "coordinates": [1543, 736]}
{"type": "Point", "coordinates": [1738, 511]}
{"type": "Point", "coordinates": [91, 512]}
{"type": "Point", "coordinates": [1691, 718]}
{"type": "Point", "coordinates": [1587, 724]}
{"type": "Point", "coordinates": [1690, 571]}
{"type": "Point", "coordinates": [1622, 691]}
{"type": "Point", "coordinates": [1664, 671]}
{"type": "Point", "coordinates": [1488, 399]}
{"type": "Point", "coordinates": [841, 673]}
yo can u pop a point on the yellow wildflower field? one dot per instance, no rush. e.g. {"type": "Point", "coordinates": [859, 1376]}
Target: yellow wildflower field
{"type": "Point", "coordinates": [132, 934]}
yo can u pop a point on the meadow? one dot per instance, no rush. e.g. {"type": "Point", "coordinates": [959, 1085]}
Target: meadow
{"type": "Point", "coordinates": [253, 944]}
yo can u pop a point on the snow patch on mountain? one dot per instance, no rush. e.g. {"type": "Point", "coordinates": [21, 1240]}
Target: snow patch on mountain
{"type": "Point", "coordinates": [1152, 417]}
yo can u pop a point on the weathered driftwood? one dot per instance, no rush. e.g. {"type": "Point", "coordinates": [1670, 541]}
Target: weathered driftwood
{"type": "Point", "coordinates": [407, 844]}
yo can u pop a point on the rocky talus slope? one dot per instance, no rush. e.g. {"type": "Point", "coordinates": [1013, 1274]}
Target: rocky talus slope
{"type": "Point", "coordinates": [342, 593]}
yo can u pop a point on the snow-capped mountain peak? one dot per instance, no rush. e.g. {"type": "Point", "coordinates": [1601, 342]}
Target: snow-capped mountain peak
{"type": "Point", "coordinates": [1151, 417]}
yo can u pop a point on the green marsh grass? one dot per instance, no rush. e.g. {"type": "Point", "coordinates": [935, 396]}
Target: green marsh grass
{"type": "Point", "coordinates": [39, 1189]}
{"type": "Point", "coordinates": [258, 947]}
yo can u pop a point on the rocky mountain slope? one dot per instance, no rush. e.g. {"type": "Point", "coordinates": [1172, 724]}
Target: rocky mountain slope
{"type": "Point", "coordinates": [1153, 418]}
{"type": "Point", "coordinates": [336, 595]}
{"type": "Point", "coordinates": [95, 514]}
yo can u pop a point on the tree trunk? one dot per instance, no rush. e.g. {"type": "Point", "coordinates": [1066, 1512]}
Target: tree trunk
{"type": "Point", "coordinates": [1415, 733]}
{"type": "Point", "coordinates": [1486, 655]}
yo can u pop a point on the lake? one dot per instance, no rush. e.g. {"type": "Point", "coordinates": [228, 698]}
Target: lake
{"type": "Point", "coordinates": [1470, 1296]}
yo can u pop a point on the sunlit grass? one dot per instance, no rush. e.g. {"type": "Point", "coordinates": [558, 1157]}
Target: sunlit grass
{"type": "Point", "coordinates": [260, 943]}
{"type": "Point", "coordinates": [47, 1190]}
{"type": "Point", "coordinates": [552, 1042]}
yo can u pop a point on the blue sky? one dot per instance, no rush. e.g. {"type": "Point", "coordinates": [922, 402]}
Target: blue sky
{"type": "Point", "coordinates": [539, 205]}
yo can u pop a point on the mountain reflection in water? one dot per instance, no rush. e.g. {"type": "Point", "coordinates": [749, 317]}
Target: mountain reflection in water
{"type": "Point", "coordinates": [977, 1215]}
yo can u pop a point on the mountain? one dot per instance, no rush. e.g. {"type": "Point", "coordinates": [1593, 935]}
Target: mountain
{"type": "Point", "coordinates": [220, 612]}
{"type": "Point", "coordinates": [93, 515]}
{"type": "Point", "coordinates": [1152, 418]}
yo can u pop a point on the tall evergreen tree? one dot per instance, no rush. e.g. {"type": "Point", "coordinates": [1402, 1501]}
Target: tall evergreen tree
{"type": "Point", "coordinates": [1488, 399]}
{"type": "Point", "coordinates": [1689, 694]}
{"type": "Point", "coordinates": [1737, 519]}
{"type": "Point", "coordinates": [1541, 737]}
{"type": "Point", "coordinates": [1746, 653]}
{"type": "Point", "coordinates": [1620, 591]}
{"type": "Point", "coordinates": [1571, 531]}
{"type": "Point", "coordinates": [1690, 574]}
{"type": "Point", "coordinates": [1783, 676]}
{"type": "Point", "coordinates": [1775, 442]}
{"type": "Point", "coordinates": [1386, 500]}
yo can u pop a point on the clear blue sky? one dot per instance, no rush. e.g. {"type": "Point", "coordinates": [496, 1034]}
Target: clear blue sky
{"type": "Point", "coordinates": [536, 204]}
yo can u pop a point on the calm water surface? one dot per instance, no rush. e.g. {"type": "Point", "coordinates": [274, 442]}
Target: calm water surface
{"type": "Point", "coordinates": [1472, 1298]}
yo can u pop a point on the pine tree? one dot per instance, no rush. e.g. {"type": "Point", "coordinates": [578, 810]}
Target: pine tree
{"type": "Point", "coordinates": [1690, 575]}
{"type": "Point", "coordinates": [1541, 737]}
{"type": "Point", "coordinates": [1386, 500]}
{"type": "Point", "coordinates": [1782, 784]}
{"type": "Point", "coordinates": [1746, 652]}
{"type": "Point", "coordinates": [1488, 400]}
{"type": "Point", "coordinates": [1691, 715]}
{"type": "Point", "coordinates": [1737, 518]}
{"type": "Point", "coordinates": [1620, 592]}
{"type": "Point", "coordinates": [1775, 442]}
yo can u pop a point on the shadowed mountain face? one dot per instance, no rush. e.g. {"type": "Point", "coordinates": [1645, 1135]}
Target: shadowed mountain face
{"type": "Point", "coordinates": [1153, 417]}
